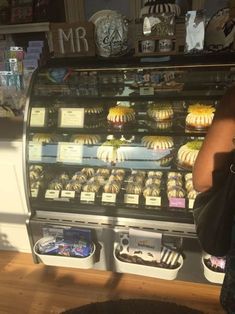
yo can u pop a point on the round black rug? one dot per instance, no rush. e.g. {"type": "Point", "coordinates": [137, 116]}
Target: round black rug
{"type": "Point", "coordinates": [132, 306]}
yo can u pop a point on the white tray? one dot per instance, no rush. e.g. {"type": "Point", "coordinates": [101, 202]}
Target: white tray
{"type": "Point", "coordinates": [212, 276]}
{"type": "Point", "coordinates": [150, 271]}
{"type": "Point", "coordinates": [66, 261]}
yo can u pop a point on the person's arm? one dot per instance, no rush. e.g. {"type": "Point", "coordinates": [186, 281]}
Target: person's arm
{"type": "Point", "coordinates": [217, 145]}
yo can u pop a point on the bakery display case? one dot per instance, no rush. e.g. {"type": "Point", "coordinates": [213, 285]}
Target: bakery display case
{"type": "Point", "coordinates": [109, 148]}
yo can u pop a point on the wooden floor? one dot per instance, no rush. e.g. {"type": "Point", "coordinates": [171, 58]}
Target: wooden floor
{"type": "Point", "coordinates": [28, 288]}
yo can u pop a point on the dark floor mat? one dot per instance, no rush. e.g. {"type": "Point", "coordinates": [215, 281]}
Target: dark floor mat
{"type": "Point", "coordinates": [132, 306]}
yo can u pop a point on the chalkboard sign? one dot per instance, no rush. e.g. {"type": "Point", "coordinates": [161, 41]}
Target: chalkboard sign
{"type": "Point", "coordinates": [72, 39]}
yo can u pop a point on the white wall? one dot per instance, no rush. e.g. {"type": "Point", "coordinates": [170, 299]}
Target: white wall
{"type": "Point", "coordinates": [13, 209]}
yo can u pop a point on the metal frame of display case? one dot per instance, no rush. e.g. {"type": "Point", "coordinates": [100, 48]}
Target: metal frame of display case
{"type": "Point", "coordinates": [107, 226]}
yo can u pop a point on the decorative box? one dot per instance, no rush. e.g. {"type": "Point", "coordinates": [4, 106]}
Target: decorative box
{"type": "Point", "coordinates": [158, 42]}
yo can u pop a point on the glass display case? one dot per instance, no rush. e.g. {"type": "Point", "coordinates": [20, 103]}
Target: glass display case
{"type": "Point", "coordinates": [109, 151]}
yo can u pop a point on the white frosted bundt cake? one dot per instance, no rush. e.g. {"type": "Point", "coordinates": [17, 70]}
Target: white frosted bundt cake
{"type": "Point", "coordinates": [91, 187]}
{"type": "Point", "coordinates": [103, 172]}
{"type": "Point", "coordinates": [191, 194]}
{"type": "Point", "coordinates": [158, 142]}
{"type": "Point", "coordinates": [89, 172]}
{"type": "Point", "coordinates": [94, 110]}
{"type": "Point", "coordinates": [160, 125]}
{"type": "Point", "coordinates": [111, 151]}
{"type": "Point", "coordinates": [157, 174]}
{"type": "Point", "coordinates": [187, 153]}
{"type": "Point", "coordinates": [151, 190]}
{"type": "Point", "coordinates": [55, 185]}
{"type": "Point", "coordinates": [175, 192]}
{"type": "Point", "coordinates": [73, 185]}
{"type": "Point", "coordinates": [160, 112]}
{"type": "Point", "coordinates": [45, 138]}
{"type": "Point", "coordinates": [134, 188]}
{"type": "Point", "coordinates": [79, 176]}
{"type": "Point", "coordinates": [112, 187]}
{"type": "Point", "coordinates": [86, 139]}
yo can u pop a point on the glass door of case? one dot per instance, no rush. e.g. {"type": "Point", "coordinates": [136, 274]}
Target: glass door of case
{"type": "Point", "coordinates": [119, 142]}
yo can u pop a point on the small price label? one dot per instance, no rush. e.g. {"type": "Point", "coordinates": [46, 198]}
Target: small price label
{"type": "Point", "coordinates": [190, 203]}
{"type": "Point", "coordinates": [71, 117]}
{"type": "Point", "coordinates": [177, 202]}
{"type": "Point", "coordinates": [153, 201]}
{"type": "Point", "coordinates": [52, 194]}
{"type": "Point", "coordinates": [87, 196]}
{"type": "Point", "coordinates": [147, 90]}
{"type": "Point", "coordinates": [131, 199]}
{"type": "Point", "coordinates": [69, 152]}
{"type": "Point", "coordinates": [35, 151]}
{"type": "Point", "coordinates": [109, 197]}
{"type": "Point", "coordinates": [34, 192]}
{"type": "Point", "coordinates": [38, 117]}
{"type": "Point", "coordinates": [67, 194]}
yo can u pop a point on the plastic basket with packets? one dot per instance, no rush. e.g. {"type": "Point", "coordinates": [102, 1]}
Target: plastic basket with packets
{"type": "Point", "coordinates": [75, 242]}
